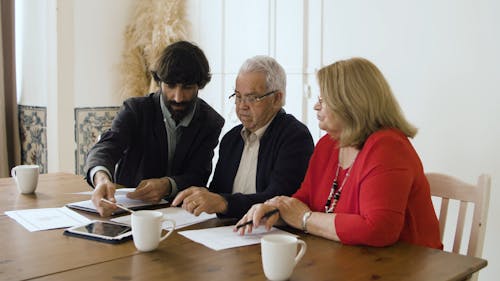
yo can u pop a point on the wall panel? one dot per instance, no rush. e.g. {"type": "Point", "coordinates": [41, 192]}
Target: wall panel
{"type": "Point", "coordinates": [246, 31]}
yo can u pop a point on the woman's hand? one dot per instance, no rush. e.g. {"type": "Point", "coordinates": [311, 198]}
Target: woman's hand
{"type": "Point", "coordinates": [291, 209]}
{"type": "Point", "coordinates": [256, 214]}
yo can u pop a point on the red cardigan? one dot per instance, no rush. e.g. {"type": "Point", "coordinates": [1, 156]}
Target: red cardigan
{"type": "Point", "coordinates": [386, 197]}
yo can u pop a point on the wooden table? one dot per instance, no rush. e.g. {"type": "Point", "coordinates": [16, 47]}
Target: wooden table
{"type": "Point", "coordinates": [49, 255]}
{"type": "Point", "coordinates": [53, 190]}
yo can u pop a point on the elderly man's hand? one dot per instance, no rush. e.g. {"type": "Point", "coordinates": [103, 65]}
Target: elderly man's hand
{"type": "Point", "coordinates": [198, 199]}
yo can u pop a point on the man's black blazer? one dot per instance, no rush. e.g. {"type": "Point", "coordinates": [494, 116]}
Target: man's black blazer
{"type": "Point", "coordinates": [137, 144]}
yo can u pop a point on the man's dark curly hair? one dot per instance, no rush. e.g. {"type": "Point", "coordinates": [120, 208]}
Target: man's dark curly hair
{"type": "Point", "coordinates": [182, 63]}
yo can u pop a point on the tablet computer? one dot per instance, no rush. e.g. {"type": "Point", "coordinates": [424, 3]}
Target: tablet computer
{"type": "Point", "coordinates": [103, 231]}
{"type": "Point", "coordinates": [121, 199]}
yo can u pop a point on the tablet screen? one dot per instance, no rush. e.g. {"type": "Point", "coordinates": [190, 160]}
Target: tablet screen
{"type": "Point", "coordinates": [103, 228]}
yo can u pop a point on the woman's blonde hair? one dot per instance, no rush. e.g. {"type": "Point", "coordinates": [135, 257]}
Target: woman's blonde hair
{"type": "Point", "coordinates": [358, 94]}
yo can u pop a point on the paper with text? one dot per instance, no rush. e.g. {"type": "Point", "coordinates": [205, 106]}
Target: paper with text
{"type": "Point", "coordinates": [119, 191]}
{"type": "Point", "coordinates": [220, 238]}
{"type": "Point", "coordinates": [47, 218]}
{"type": "Point", "coordinates": [181, 217]}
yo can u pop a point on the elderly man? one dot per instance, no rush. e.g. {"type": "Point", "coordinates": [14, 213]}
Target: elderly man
{"type": "Point", "coordinates": [265, 156]}
{"type": "Point", "coordinates": [162, 142]}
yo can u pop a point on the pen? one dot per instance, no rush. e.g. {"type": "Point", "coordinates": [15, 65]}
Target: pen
{"type": "Point", "coordinates": [117, 205]}
{"type": "Point", "coordinates": [266, 215]}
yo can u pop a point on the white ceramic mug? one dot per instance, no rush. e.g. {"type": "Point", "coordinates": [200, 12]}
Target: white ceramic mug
{"type": "Point", "coordinates": [279, 255]}
{"type": "Point", "coordinates": [26, 177]}
{"type": "Point", "coordinates": [146, 229]}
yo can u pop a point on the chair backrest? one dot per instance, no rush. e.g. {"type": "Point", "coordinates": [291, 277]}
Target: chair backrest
{"type": "Point", "coordinates": [447, 187]}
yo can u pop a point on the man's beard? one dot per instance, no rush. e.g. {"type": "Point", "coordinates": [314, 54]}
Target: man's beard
{"type": "Point", "coordinates": [178, 114]}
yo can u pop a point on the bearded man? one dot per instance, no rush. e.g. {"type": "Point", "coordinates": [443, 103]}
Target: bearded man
{"type": "Point", "coordinates": [160, 143]}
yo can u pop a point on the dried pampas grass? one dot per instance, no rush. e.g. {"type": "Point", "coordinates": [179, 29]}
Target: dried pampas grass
{"type": "Point", "coordinates": [155, 25]}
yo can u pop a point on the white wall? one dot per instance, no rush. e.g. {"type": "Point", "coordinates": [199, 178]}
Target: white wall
{"type": "Point", "coordinates": [32, 34]}
{"type": "Point", "coordinates": [234, 36]}
{"type": "Point", "coordinates": [99, 28]}
{"type": "Point", "coordinates": [441, 58]}
{"type": "Point", "coordinates": [69, 55]}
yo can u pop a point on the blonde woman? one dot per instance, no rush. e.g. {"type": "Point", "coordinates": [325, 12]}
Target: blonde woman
{"type": "Point", "coordinates": [365, 184]}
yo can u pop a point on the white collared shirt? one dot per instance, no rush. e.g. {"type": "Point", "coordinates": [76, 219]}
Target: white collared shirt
{"type": "Point", "coordinates": [246, 177]}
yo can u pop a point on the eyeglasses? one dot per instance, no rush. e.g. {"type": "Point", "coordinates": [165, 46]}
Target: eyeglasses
{"type": "Point", "coordinates": [320, 101]}
{"type": "Point", "coordinates": [251, 99]}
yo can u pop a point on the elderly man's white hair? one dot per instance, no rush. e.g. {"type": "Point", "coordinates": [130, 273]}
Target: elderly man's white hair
{"type": "Point", "coordinates": [274, 72]}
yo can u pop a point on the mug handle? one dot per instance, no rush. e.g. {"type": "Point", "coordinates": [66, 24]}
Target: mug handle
{"type": "Point", "coordinates": [13, 173]}
{"type": "Point", "coordinates": [171, 231]}
{"type": "Point", "coordinates": [303, 248]}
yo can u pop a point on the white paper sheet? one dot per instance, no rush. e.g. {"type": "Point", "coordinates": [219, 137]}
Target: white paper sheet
{"type": "Point", "coordinates": [220, 238]}
{"type": "Point", "coordinates": [181, 217]}
{"type": "Point", "coordinates": [119, 191]}
{"type": "Point", "coordinates": [47, 218]}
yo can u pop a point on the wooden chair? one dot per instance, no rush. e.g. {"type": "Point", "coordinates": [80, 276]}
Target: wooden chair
{"type": "Point", "coordinates": [446, 188]}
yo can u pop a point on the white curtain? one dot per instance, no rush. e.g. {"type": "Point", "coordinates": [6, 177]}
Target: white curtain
{"type": "Point", "coordinates": [10, 154]}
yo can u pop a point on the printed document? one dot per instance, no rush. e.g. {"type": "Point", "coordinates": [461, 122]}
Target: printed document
{"type": "Point", "coordinates": [220, 238]}
{"type": "Point", "coordinates": [181, 217]}
{"type": "Point", "coordinates": [47, 218]}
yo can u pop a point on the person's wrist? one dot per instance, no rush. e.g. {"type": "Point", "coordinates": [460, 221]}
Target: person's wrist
{"type": "Point", "coordinates": [305, 218]}
{"type": "Point", "coordinates": [100, 178]}
{"type": "Point", "coordinates": [224, 205]}
{"type": "Point", "coordinates": [168, 186]}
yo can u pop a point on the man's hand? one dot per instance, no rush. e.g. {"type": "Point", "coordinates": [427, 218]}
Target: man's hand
{"type": "Point", "coordinates": [198, 199]}
{"type": "Point", "coordinates": [104, 188]}
{"type": "Point", "coordinates": [151, 190]}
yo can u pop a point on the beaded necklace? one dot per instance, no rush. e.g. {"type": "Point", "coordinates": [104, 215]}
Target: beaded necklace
{"type": "Point", "coordinates": [336, 191]}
